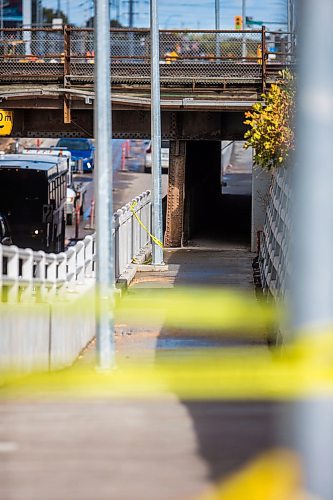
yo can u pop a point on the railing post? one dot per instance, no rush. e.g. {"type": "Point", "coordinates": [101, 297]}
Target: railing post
{"type": "Point", "coordinates": [263, 59]}
{"type": "Point", "coordinates": [80, 262]}
{"type": "Point", "coordinates": [88, 256]}
{"type": "Point", "coordinates": [13, 274]}
{"type": "Point", "coordinates": [51, 274]}
{"type": "Point", "coordinates": [27, 275]}
{"type": "Point", "coordinates": [62, 272]}
{"type": "Point", "coordinates": [67, 70]}
{"type": "Point", "coordinates": [1, 273]}
{"type": "Point", "coordinates": [71, 268]}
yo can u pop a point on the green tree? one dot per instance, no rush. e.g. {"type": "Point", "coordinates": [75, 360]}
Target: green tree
{"type": "Point", "coordinates": [49, 14]}
{"type": "Point", "coordinates": [270, 122]}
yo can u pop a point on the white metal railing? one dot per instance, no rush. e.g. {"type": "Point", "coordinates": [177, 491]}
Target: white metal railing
{"type": "Point", "coordinates": [37, 276]}
{"type": "Point", "coordinates": [274, 262]}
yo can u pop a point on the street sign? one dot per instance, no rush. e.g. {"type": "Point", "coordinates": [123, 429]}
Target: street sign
{"type": "Point", "coordinates": [6, 122]}
{"type": "Point", "coordinates": [252, 22]}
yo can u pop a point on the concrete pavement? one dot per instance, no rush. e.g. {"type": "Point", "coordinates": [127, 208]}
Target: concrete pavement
{"type": "Point", "coordinates": [145, 450]}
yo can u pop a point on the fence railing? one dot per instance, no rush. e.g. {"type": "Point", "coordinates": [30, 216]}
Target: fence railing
{"type": "Point", "coordinates": [274, 261]}
{"type": "Point", "coordinates": [27, 275]}
{"type": "Point", "coordinates": [67, 55]}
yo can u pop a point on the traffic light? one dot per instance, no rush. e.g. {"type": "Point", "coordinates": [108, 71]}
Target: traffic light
{"type": "Point", "coordinates": [238, 22]}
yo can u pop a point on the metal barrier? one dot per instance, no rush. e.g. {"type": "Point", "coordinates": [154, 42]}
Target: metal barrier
{"type": "Point", "coordinates": [208, 57]}
{"type": "Point", "coordinates": [274, 261]}
{"type": "Point", "coordinates": [28, 276]}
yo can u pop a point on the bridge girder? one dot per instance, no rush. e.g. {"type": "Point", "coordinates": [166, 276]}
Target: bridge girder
{"type": "Point", "coordinates": [177, 125]}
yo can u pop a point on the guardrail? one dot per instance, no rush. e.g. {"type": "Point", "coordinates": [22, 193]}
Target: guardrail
{"type": "Point", "coordinates": [28, 276]}
{"type": "Point", "coordinates": [274, 262]}
{"type": "Point", "coordinates": [67, 55]}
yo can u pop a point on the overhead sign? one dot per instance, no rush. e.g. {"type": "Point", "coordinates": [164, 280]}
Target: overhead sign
{"type": "Point", "coordinates": [6, 121]}
{"type": "Point", "coordinates": [12, 11]}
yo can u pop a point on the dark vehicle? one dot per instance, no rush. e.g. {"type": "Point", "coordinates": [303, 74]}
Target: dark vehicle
{"type": "Point", "coordinates": [5, 233]}
{"type": "Point", "coordinates": [32, 200]}
{"type": "Point", "coordinates": [80, 149]}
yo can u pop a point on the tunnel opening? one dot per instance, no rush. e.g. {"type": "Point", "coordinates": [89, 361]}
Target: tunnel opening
{"type": "Point", "coordinates": [218, 194]}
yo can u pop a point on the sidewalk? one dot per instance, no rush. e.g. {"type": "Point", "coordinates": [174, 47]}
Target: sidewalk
{"type": "Point", "coordinates": [137, 450]}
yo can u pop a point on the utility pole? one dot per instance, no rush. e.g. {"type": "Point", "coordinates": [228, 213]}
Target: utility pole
{"type": "Point", "coordinates": [156, 133]}
{"type": "Point", "coordinates": [244, 48]}
{"type": "Point", "coordinates": [58, 7]}
{"type": "Point", "coordinates": [311, 283]}
{"type": "Point", "coordinates": [130, 13]}
{"type": "Point", "coordinates": [118, 10]}
{"type": "Point", "coordinates": [27, 19]}
{"type": "Point", "coordinates": [217, 28]}
{"type": "Point", "coordinates": [1, 17]}
{"type": "Point", "coordinates": [103, 189]}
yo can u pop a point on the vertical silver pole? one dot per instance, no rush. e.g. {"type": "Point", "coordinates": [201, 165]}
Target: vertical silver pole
{"type": "Point", "coordinates": [217, 28]}
{"type": "Point", "coordinates": [103, 187]}
{"type": "Point", "coordinates": [118, 10]}
{"type": "Point", "coordinates": [156, 132]}
{"type": "Point", "coordinates": [1, 17]}
{"type": "Point", "coordinates": [27, 18]}
{"type": "Point", "coordinates": [244, 50]}
{"type": "Point", "coordinates": [312, 265]}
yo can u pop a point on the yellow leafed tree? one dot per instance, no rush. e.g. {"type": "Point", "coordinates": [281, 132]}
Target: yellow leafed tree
{"type": "Point", "coordinates": [270, 122]}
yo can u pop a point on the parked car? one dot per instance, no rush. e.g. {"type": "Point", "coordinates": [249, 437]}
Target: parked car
{"type": "Point", "coordinates": [80, 149]}
{"type": "Point", "coordinates": [165, 146]}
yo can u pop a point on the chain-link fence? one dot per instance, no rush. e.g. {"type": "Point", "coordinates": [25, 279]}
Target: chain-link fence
{"type": "Point", "coordinates": [186, 57]}
{"type": "Point", "coordinates": [31, 55]}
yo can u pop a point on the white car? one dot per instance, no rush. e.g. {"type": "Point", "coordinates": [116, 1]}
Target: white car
{"type": "Point", "coordinates": [164, 157]}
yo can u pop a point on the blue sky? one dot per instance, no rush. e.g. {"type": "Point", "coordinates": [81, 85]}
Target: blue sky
{"type": "Point", "coordinates": [190, 14]}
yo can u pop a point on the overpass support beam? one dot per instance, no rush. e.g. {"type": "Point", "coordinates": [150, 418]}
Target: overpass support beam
{"type": "Point", "coordinates": [175, 204]}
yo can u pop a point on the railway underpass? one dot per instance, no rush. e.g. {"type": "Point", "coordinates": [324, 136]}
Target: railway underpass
{"type": "Point", "coordinates": [171, 444]}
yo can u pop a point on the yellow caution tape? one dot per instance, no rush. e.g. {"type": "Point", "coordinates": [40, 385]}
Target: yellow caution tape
{"type": "Point", "coordinates": [155, 240]}
{"type": "Point", "coordinates": [274, 475]}
{"type": "Point", "coordinates": [199, 309]}
{"type": "Point", "coordinates": [210, 374]}
{"type": "Point", "coordinates": [202, 310]}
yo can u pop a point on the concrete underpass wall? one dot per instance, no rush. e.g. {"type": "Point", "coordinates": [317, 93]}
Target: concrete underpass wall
{"type": "Point", "coordinates": [43, 336]}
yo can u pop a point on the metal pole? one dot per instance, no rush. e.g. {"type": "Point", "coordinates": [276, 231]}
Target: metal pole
{"type": "Point", "coordinates": [289, 16]}
{"type": "Point", "coordinates": [131, 13]}
{"type": "Point", "coordinates": [157, 222]}
{"type": "Point", "coordinates": [217, 28]}
{"type": "Point", "coordinates": [244, 49]}
{"type": "Point", "coordinates": [312, 264]}
{"type": "Point", "coordinates": [118, 10]}
{"type": "Point", "coordinates": [1, 17]}
{"type": "Point", "coordinates": [27, 18]}
{"type": "Point", "coordinates": [103, 188]}
{"type": "Point", "coordinates": [58, 8]}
